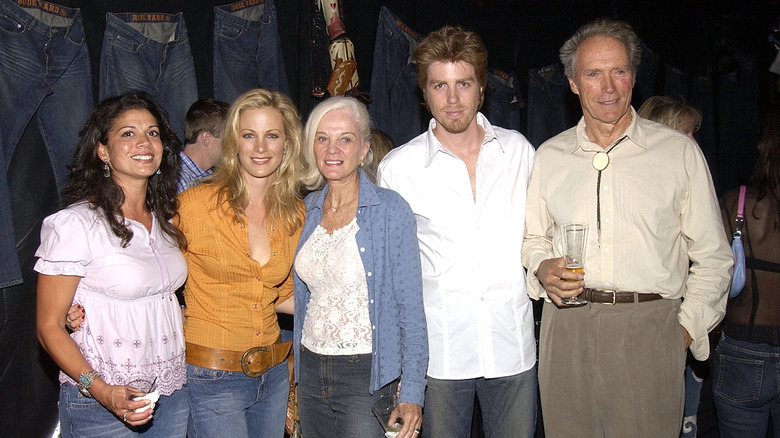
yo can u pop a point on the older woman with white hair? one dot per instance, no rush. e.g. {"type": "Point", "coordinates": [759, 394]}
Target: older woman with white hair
{"type": "Point", "coordinates": [359, 320]}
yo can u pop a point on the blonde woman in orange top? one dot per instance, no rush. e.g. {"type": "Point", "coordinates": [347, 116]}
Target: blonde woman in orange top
{"type": "Point", "coordinates": [242, 225]}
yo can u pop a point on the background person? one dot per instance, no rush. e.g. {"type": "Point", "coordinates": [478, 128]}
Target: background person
{"type": "Point", "coordinates": [466, 183]}
{"type": "Point", "coordinates": [614, 367]}
{"type": "Point", "coordinates": [114, 250]}
{"type": "Point", "coordinates": [359, 319]}
{"type": "Point", "coordinates": [243, 224]}
{"type": "Point", "coordinates": [746, 358]}
{"type": "Point", "coordinates": [204, 124]}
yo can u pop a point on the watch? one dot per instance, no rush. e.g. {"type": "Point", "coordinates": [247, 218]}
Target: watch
{"type": "Point", "coordinates": [85, 382]}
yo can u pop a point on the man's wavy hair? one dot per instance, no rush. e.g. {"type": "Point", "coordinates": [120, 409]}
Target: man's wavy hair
{"type": "Point", "coordinates": [603, 27]}
{"type": "Point", "coordinates": [283, 200]}
{"type": "Point", "coordinates": [88, 183]}
{"type": "Point", "coordinates": [452, 44]}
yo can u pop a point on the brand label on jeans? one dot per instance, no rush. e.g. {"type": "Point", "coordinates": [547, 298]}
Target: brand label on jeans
{"type": "Point", "coordinates": [245, 4]}
{"type": "Point", "coordinates": [157, 18]}
{"type": "Point", "coordinates": [44, 6]}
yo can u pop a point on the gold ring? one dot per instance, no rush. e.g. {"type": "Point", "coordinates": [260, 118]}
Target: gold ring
{"type": "Point", "coordinates": [124, 417]}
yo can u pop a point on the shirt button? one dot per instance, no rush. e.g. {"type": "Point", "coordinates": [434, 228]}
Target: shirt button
{"type": "Point", "coordinates": [607, 283]}
{"type": "Point", "coordinates": [254, 306]}
{"type": "Point", "coordinates": [257, 333]}
{"type": "Point", "coordinates": [607, 220]}
{"type": "Point", "coordinates": [369, 273]}
{"type": "Point", "coordinates": [257, 278]}
{"type": "Point", "coordinates": [606, 188]}
{"type": "Point", "coordinates": [362, 249]}
{"type": "Point", "coordinates": [606, 250]}
{"type": "Point", "coordinates": [275, 254]}
{"type": "Point", "coordinates": [482, 298]}
{"type": "Point", "coordinates": [371, 301]}
{"type": "Point", "coordinates": [373, 327]}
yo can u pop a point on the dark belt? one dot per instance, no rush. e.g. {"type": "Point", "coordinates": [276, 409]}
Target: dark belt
{"type": "Point", "coordinates": [253, 362]}
{"type": "Point", "coordinates": [614, 297]}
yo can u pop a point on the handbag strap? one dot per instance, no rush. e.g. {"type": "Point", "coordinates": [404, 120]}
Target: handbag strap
{"type": "Point", "coordinates": [740, 210]}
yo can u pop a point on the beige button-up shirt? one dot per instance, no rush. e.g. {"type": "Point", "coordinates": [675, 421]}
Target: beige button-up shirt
{"type": "Point", "coordinates": [659, 229]}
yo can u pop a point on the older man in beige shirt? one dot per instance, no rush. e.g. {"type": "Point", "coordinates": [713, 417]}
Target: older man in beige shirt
{"type": "Point", "coordinates": [657, 265]}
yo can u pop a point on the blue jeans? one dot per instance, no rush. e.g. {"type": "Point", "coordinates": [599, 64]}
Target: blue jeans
{"type": "Point", "coordinates": [333, 396]}
{"type": "Point", "coordinates": [247, 50]}
{"type": "Point", "coordinates": [508, 406]}
{"type": "Point", "coordinates": [548, 94]}
{"type": "Point", "coordinates": [224, 403]}
{"type": "Point", "coordinates": [393, 53]}
{"type": "Point", "coordinates": [745, 388]}
{"type": "Point", "coordinates": [45, 68]}
{"type": "Point", "coordinates": [84, 417]}
{"type": "Point", "coordinates": [503, 101]}
{"type": "Point", "coordinates": [149, 52]}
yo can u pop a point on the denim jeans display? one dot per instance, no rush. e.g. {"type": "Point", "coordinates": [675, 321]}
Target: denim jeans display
{"type": "Point", "coordinates": [149, 52]}
{"type": "Point", "coordinates": [44, 69]}
{"type": "Point", "coordinates": [333, 396]}
{"type": "Point", "coordinates": [645, 76]}
{"type": "Point", "coordinates": [247, 49]}
{"type": "Point", "coordinates": [84, 416]}
{"type": "Point", "coordinates": [503, 101]}
{"type": "Point", "coordinates": [232, 404]}
{"type": "Point", "coordinates": [548, 91]}
{"type": "Point", "coordinates": [393, 81]}
{"type": "Point", "coordinates": [745, 388]}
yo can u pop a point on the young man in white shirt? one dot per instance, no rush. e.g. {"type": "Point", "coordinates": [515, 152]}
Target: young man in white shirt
{"type": "Point", "coordinates": [466, 183]}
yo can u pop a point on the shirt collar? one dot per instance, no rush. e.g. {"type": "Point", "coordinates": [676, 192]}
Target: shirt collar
{"type": "Point", "coordinates": [187, 161]}
{"type": "Point", "coordinates": [434, 145]}
{"type": "Point", "coordinates": [635, 133]}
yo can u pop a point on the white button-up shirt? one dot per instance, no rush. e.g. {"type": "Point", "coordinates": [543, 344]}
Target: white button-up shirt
{"type": "Point", "coordinates": [480, 321]}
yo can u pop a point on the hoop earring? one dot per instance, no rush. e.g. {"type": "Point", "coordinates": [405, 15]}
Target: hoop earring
{"type": "Point", "coordinates": [106, 170]}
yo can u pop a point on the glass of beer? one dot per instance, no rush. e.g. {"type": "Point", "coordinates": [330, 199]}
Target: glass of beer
{"type": "Point", "coordinates": [575, 237]}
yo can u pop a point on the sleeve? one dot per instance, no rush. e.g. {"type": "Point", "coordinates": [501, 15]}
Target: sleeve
{"type": "Point", "coordinates": [537, 242]}
{"type": "Point", "coordinates": [65, 245]}
{"type": "Point", "coordinates": [706, 289]}
{"type": "Point", "coordinates": [407, 280]}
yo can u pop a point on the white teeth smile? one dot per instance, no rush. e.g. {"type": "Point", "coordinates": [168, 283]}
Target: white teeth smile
{"type": "Point", "coordinates": [142, 157]}
{"type": "Point", "coordinates": [332, 162]}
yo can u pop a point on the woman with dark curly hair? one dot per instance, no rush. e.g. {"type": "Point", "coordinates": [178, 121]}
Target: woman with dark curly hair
{"type": "Point", "coordinates": [114, 251]}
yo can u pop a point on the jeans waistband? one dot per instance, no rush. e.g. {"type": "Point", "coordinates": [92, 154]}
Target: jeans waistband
{"type": "Point", "coordinates": [240, 6]}
{"type": "Point", "coordinates": [149, 32]}
{"type": "Point", "coordinates": [394, 25]}
{"type": "Point", "coordinates": [50, 16]}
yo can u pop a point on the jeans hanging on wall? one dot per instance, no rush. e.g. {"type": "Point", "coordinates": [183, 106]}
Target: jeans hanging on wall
{"type": "Point", "coordinates": [503, 102]}
{"type": "Point", "coordinates": [149, 52]}
{"type": "Point", "coordinates": [247, 50]}
{"type": "Point", "coordinates": [548, 90]}
{"type": "Point", "coordinates": [645, 76]}
{"type": "Point", "coordinates": [45, 68]}
{"type": "Point", "coordinates": [391, 77]}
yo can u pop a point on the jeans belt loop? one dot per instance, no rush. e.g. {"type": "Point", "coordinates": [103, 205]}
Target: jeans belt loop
{"type": "Point", "coordinates": [614, 296]}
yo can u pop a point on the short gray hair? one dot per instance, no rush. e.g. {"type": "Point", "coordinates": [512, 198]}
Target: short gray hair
{"type": "Point", "coordinates": [312, 178]}
{"type": "Point", "coordinates": [604, 27]}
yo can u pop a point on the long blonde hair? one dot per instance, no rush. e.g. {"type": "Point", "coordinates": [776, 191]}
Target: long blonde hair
{"type": "Point", "coordinates": [282, 201]}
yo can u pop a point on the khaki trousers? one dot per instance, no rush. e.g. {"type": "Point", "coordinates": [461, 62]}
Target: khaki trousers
{"type": "Point", "coordinates": [612, 371]}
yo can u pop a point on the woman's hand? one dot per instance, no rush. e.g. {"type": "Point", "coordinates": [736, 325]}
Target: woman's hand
{"type": "Point", "coordinates": [411, 415]}
{"type": "Point", "coordinates": [119, 400]}
{"type": "Point", "coordinates": [75, 317]}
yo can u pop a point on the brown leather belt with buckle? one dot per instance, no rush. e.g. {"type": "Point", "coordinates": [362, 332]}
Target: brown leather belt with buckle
{"type": "Point", "coordinates": [615, 297]}
{"type": "Point", "coordinates": [253, 362]}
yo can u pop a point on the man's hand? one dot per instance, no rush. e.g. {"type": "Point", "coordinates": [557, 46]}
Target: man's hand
{"type": "Point", "coordinates": [559, 282]}
{"type": "Point", "coordinates": [411, 415]}
{"type": "Point", "coordinates": [687, 337]}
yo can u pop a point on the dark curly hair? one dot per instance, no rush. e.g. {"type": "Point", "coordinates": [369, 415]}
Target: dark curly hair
{"type": "Point", "coordinates": [86, 180]}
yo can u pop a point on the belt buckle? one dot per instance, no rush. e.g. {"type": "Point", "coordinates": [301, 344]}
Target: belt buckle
{"type": "Point", "coordinates": [614, 296]}
{"type": "Point", "coordinates": [245, 362]}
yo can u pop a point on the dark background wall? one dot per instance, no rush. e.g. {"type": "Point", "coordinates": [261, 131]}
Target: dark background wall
{"type": "Point", "coordinates": [700, 37]}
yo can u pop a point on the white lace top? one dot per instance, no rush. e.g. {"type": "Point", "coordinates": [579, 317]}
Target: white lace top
{"type": "Point", "coordinates": [337, 320]}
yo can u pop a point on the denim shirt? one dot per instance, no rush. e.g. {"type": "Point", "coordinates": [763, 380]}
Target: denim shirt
{"type": "Point", "coordinates": [387, 241]}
